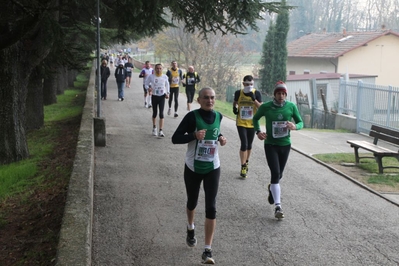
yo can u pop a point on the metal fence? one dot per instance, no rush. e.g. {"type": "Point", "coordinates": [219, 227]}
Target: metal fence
{"type": "Point", "coordinates": [370, 104]}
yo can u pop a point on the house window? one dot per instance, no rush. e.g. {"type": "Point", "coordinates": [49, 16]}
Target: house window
{"type": "Point", "coordinates": [321, 89]}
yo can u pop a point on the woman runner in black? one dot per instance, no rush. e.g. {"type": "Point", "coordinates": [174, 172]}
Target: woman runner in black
{"type": "Point", "coordinates": [201, 130]}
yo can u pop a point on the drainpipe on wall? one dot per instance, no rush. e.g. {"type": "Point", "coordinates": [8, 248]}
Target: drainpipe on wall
{"type": "Point", "coordinates": [335, 66]}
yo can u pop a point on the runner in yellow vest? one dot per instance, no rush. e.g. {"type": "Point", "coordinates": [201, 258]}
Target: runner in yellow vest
{"type": "Point", "coordinates": [245, 105]}
{"type": "Point", "coordinates": [175, 76]}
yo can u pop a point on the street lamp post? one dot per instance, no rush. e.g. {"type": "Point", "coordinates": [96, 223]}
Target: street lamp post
{"type": "Point", "coordinates": [99, 123]}
{"type": "Point", "coordinates": [98, 62]}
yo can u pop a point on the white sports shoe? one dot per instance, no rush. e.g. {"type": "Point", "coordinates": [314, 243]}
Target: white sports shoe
{"type": "Point", "coordinates": [169, 111]}
{"type": "Point", "coordinates": [161, 134]}
{"type": "Point", "coordinates": [154, 131]}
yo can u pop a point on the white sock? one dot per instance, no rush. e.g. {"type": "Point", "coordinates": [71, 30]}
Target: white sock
{"type": "Point", "coordinates": [149, 100]}
{"type": "Point", "coordinates": [275, 189]}
{"type": "Point", "coordinates": [207, 247]}
{"type": "Point", "coordinates": [190, 226]}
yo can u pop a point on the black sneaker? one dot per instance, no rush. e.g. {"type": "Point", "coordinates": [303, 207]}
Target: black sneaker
{"type": "Point", "coordinates": [207, 257]}
{"type": "Point", "coordinates": [278, 212]}
{"type": "Point", "coordinates": [191, 240]}
{"type": "Point", "coordinates": [270, 197]}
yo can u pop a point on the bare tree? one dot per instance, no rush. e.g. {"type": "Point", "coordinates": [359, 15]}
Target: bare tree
{"type": "Point", "coordinates": [333, 15]}
{"type": "Point", "coordinates": [216, 59]}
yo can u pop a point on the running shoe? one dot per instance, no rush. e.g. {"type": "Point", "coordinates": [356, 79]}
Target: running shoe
{"type": "Point", "coordinates": [154, 131]}
{"type": "Point", "coordinates": [278, 212]}
{"type": "Point", "coordinates": [176, 115]}
{"type": "Point", "coordinates": [145, 105]}
{"type": "Point", "coordinates": [169, 111]}
{"type": "Point", "coordinates": [122, 99]}
{"type": "Point", "coordinates": [247, 163]}
{"type": "Point", "coordinates": [207, 257]}
{"type": "Point", "coordinates": [191, 240]}
{"type": "Point", "coordinates": [161, 134]}
{"type": "Point", "coordinates": [243, 171]}
{"type": "Point", "coordinates": [270, 197]}
{"type": "Point", "coordinates": [149, 105]}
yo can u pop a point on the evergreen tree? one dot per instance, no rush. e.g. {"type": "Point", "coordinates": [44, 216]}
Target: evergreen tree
{"type": "Point", "coordinates": [280, 46]}
{"type": "Point", "coordinates": [274, 55]}
{"type": "Point", "coordinates": [266, 62]}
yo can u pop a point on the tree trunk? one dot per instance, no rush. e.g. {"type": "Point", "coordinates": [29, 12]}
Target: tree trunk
{"type": "Point", "coordinates": [62, 82]}
{"type": "Point", "coordinates": [34, 101]}
{"type": "Point", "coordinates": [14, 78]}
{"type": "Point", "coordinates": [72, 74]}
{"type": "Point", "coordinates": [19, 58]}
{"type": "Point", "coordinates": [50, 88]}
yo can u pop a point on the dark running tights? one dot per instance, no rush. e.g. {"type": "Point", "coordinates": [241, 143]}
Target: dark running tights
{"type": "Point", "coordinates": [246, 137]}
{"type": "Point", "coordinates": [193, 181]}
{"type": "Point", "coordinates": [276, 157]}
{"type": "Point", "coordinates": [174, 94]}
{"type": "Point", "coordinates": [157, 101]}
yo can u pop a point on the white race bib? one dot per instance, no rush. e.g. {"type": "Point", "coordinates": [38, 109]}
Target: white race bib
{"type": "Point", "coordinates": [279, 129]}
{"type": "Point", "coordinates": [246, 112]}
{"type": "Point", "coordinates": [206, 150]}
{"type": "Point", "coordinates": [175, 80]}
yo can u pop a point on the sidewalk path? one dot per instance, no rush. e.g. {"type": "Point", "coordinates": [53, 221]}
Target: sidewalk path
{"type": "Point", "coordinates": [139, 202]}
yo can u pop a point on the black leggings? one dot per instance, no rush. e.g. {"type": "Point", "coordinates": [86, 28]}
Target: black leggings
{"type": "Point", "coordinates": [193, 181]}
{"type": "Point", "coordinates": [276, 157]}
{"type": "Point", "coordinates": [158, 101]}
{"type": "Point", "coordinates": [246, 137]}
{"type": "Point", "coordinates": [174, 93]}
{"type": "Point", "coordinates": [190, 94]}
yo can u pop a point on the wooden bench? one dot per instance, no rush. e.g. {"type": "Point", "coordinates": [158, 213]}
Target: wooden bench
{"type": "Point", "coordinates": [379, 133]}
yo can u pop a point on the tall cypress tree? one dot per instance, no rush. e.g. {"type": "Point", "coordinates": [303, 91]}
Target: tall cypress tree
{"type": "Point", "coordinates": [274, 56]}
{"type": "Point", "coordinates": [267, 61]}
{"type": "Point", "coordinates": [280, 44]}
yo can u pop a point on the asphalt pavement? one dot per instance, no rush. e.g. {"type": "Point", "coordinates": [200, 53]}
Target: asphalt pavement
{"type": "Point", "coordinates": [139, 200]}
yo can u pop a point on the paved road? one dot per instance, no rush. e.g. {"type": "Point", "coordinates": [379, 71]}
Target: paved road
{"type": "Point", "coordinates": [139, 203]}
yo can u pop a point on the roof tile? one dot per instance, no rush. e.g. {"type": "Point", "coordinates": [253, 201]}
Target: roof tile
{"type": "Point", "coordinates": [332, 45]}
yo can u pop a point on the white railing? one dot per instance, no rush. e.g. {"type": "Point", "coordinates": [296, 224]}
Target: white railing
{"type": "Point", "coordinates": [370, 104]}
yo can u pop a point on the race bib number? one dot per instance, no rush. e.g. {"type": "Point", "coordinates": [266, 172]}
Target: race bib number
{"type": "Point", "coordinates": [206, 150]}
{"type": "Point", "coordinates": [246, 112]}
{"type": "Point", "coordinates": [159, 91]}
{"type": "Point", "coordinates": [129, 69]}
{"type": "Point", "coordinates": [175, 80]}
{"type": "Point", "coordinates": [280, 129]}
{"type": "Point", "coordinates": [190, 81]}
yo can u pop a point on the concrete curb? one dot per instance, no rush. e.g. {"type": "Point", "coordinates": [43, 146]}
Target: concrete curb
{"type": "Point", "coordinates": [345, 175]}
{"type": "Point", "coordinates": [75, 243]}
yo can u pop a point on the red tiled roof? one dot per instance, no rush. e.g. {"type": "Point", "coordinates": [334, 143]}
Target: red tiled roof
{"type": "Point", "coordinates": [332, 45]}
